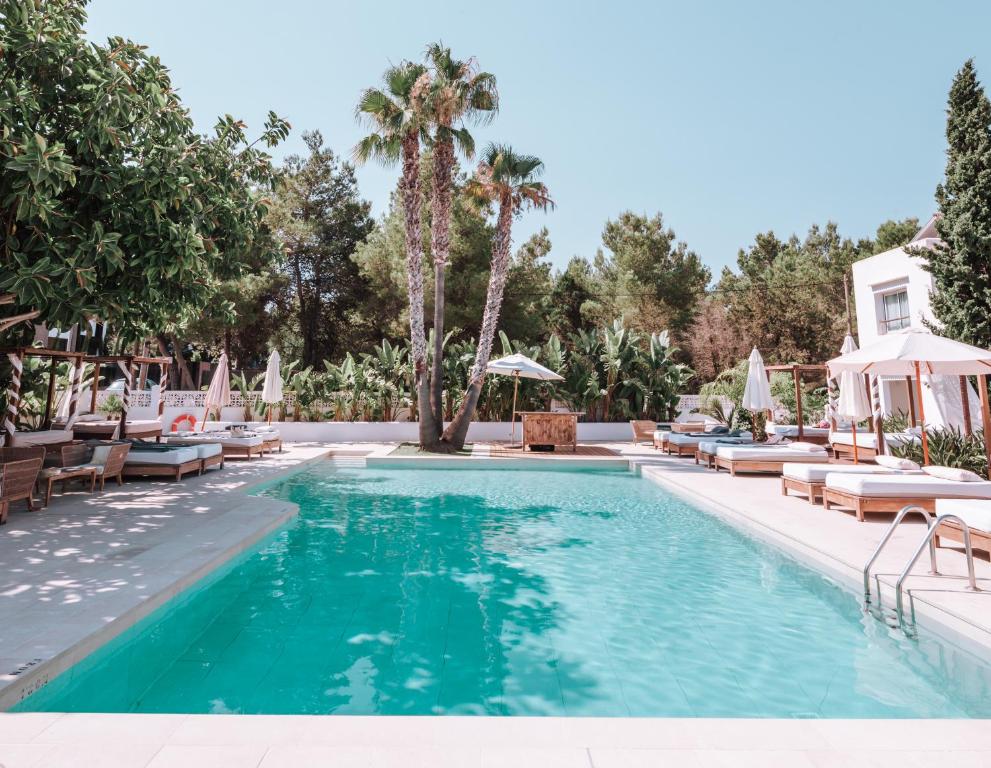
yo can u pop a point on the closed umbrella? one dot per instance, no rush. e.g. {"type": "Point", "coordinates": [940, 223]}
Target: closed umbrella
{"type": "Point", "coordinates": [853, 404]}
{"type": "Point", "coordinates": [272, 389]}
{"type": "Point", "coordinates": [520, 366]}
{"type": "Point", "coordinates": [757, 392]}
{"type": "Point", "coordinates": [912, 352]}
{"type": "Point", "coordinates": [219, 394]}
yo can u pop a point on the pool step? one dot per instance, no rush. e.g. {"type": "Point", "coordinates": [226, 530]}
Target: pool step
{"type": "Point", "coordinates": [347, 461]}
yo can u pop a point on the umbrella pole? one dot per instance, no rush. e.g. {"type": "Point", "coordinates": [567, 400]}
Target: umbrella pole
{"type": "Point", "coordinates": [922, 415]}
{"type": "Point", "coordinates": [206, 415]}
{"type": "Point", "coordinates": [853, 430]}
{"type": "Point", "coordinates": [512, 431]}
{"type": "Point", "coordinates": [270, 407]}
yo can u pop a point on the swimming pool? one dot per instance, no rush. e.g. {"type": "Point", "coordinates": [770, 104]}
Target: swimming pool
{"type": "Point", "coordinates": [412, 591]}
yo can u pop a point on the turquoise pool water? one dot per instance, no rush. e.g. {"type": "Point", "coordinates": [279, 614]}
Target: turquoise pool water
{"type": "Point", "coordinates": [515, 593]}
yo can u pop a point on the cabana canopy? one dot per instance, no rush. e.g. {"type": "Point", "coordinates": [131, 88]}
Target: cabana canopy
{"type": "Point", "coordinates": [902, 352]}
{"type": "Point", "coordinates": [914, 352]}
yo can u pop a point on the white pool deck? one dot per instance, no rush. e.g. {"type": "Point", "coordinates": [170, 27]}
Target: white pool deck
{"type": "Point", "coordinates": [76, 573]}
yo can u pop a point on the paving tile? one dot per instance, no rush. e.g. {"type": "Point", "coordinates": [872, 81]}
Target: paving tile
{"type": "Point", "coordinates": [22, 727]}
{"type": "Point", "coordinates": [644, 758]}
{"type": "Point", "coordinates": [208, 756]}
{"type": "Point", "coordinates": [122, 729]}
{"type": "Point", "coordinates": [25, 755]}
{"type": "Point", "coordinates": [535, 758]}
{"type": "Point", "coordinates": [199, 730]}
{"type": "Point", "coordinates": [107, 755]}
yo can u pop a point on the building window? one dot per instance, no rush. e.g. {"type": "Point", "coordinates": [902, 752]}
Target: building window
{"type": "Point", "coordinates": [895, 314]}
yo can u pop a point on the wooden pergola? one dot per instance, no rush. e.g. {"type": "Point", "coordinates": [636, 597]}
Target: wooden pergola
{"type": "Point", "coordinates": [16, 357]}
{"type": "Point", "coordinates": [128, 365]}
{"type": "Point", "coordinates": [798, 372]}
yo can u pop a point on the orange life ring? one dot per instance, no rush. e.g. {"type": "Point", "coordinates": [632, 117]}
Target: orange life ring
{"type": "Point", "coordinates": [180, 423]}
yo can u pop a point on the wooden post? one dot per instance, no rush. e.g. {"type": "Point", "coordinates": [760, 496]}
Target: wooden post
{"type": "Point", "coordinates": [968, 427]}
{"type": "Point", "coordinates": [512, 429]}
{"type": "Point", "coordinates": [911, 401]}
{"type": "Point", "coordinates": [51, 393]}
{"type": "Point", "coordinates": [870, 399]}
{"type": "Point", "coordinates": [797, 377]}
{"type": "Point", "coordinates": [982, 389]}
{"type": "Point", "coordinates": [95, 387]}
{"type": "Point", "coordinates": [922, 415]}
{"type": "Point", "coordinates": [13, 396]}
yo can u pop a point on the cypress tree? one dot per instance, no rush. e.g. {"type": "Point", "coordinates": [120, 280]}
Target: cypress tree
{"type": "Point", "coordinates": [961, 269]}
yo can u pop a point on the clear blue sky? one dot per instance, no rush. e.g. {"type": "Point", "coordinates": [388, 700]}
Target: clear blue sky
{"type": "Point", "coordinates": [731, 118]}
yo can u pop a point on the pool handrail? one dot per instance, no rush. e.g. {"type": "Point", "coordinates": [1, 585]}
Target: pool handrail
{"type": "Point", "coordinates": [930, 534]}
{"type": "Point", "coordinates": [902, 513]}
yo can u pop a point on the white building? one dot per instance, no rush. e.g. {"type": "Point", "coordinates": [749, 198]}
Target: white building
{"type": "Point", "coordinates": [891, 292]}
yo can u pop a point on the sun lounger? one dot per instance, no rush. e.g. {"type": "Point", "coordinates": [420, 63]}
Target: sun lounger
{"type": "Point", "coordinates": [210, 453]}
{"type": "Point", "coordinates": [705, 452]}
{"type": "Point", "coordinates": [818, 435]}
{"type": "Point", "coordinates": [246, 446]}
{"type": "Point", "coordinates": [809, 479]}
{"type": "Point", "coordinates": [18, 477]}
{"type": "Point", "coordinates": [643, 431]}
{"type": "Point", "coordinates": [107, 428]}
{"type": "Point", "coordinates": [889, 493]}
{"type": "Point", "coordinates": [842, 443]}
{"type": "Point", "coordinates": [169, 461]}
{"type": "Point", "coordinates": [764, 458]}
{"type": "Point", "coordinates": [975, 513]}
{"type": "Point", "coordinates": [42, 437]}
{"type": "Point", "coordinates": [271, 436]}
{"type": "Point", "coordinates": [685, 444]}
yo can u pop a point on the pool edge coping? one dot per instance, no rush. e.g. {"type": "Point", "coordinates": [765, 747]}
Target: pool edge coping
{"type": "Point", "coordinates": [932, 618]}
{"type": "Point", "coordinates": [41, 674]}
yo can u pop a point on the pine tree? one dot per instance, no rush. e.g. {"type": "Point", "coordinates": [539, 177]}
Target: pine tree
{"type": "Point", "coordinates": [961, 269]}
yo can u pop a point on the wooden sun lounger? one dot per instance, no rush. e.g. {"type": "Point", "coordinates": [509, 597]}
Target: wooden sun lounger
{"type": "Point", "coordinates": [834, 497]}
{"type": "Point", "coordinates": [811, 490]}
{"type": "Point", "coordinates": [749, 465]}
{"type": "Point", "coordinates": [844, 451]}
{"type": "Point", "coordinates": [643, 431]}
{"type": "Point", "coordinates": [688, 426]}
{"type": "Point", "coordinates": [176, 471]}
{"type": "Point", "coordinates": [950, 530]}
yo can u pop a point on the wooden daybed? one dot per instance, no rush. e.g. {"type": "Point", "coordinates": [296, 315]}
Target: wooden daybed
{"type": "Point", "coordinates": [760, 459]}
{"type": "Point", "coordinates": [887, 493]}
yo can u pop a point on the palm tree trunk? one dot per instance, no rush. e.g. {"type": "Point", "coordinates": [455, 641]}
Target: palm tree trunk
{"type": "Point", "coordinates": [440, 248]}
{"type": "Point", "coordinates": [457, 431]}
{"type": "Point", "coordinates": [414, 279]}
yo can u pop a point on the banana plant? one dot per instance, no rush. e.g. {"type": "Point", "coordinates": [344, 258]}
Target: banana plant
{"type": "Point", "coordinates": [246, 387]}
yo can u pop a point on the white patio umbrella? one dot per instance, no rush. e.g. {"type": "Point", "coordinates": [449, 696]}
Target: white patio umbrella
{"type": "Point", "coordinates": [520, 366]}
{"type": "Point", "coordinates": [272, 389]}
{"type": "Point", "coordinates": [912, 352]}
{"type": "Point", "coordinates": [833, 384]}
{"type": "Point", "coordinates": [853, 404]}
{"type": "Point", "coordinates": [757, 392]}
{"type": "Point", "coordinates": [219, 394]}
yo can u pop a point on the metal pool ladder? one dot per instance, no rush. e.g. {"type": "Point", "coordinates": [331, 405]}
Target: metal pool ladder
{"type": "Point", "coordinates": [929, 539]}
{"type": "Point", "coordinates": [902, 513]}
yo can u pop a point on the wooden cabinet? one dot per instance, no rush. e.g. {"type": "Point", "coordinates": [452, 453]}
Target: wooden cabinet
{"type": "Point", "coordinates": [547, 428]}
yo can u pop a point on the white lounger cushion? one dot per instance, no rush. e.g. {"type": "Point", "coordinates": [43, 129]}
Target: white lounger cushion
{"type": "Point", "coordinates": [711, 446]}
{"type": "Point", "coordinates": [773, 453]}
{"type": "Point", "coordinates": [47, 437]}
{"type": "Point", "coordinates": [791, 430]}
{"type": "Point", "coordinates": [974, 512]}
{"type": "Point", "coordinates": [225, 439]}
{"type": "Point", "coordinates": [907, 485]}
{"type": "Point", "coordinates": [171, 458]}
{"type": "Point", "coordinates": [869, 439]}
{"type": "Point", "coordinates": [661, 436]}
{"type": "Point", "coordinates": [206, 450]}
{"type": "Point", "coordinates": [816, 473]}
{"type": "Point", "coordinates": [678, 438]}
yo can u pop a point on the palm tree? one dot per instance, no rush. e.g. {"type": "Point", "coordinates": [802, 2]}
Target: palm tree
{"type": "Point", "coordinates": [398, 116]}
{"type": "Point", "coordinates": [458, 92]}
{"type": "Point", "coordinates": [509, 179]}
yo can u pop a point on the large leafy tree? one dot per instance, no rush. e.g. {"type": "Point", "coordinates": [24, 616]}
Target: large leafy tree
{"type": "Point", "coordinates": [509, 180]}
{"type": "Point", "coordinates": [111, 206]}
{"type": "Point", "coordinates": [320, 219]}
{"type": "Point", "coordinates": [652, 279]}
{"type": "Point", "coordinates": [787, 297]}
{"type": "Point", "coordinates": [961, 269]}
{"type": "Point", "coordinates": [458, 92]}
{"type": "Point", "coordinates": [398, 118]}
